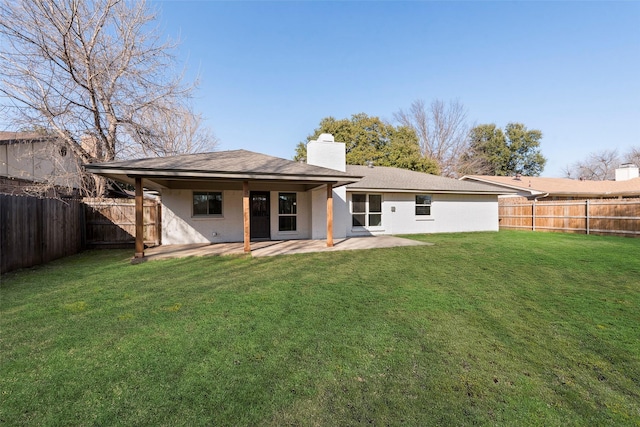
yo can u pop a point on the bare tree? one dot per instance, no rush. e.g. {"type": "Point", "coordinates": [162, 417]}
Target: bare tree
{"type": "Point", "coordinates": [442, 131]}
{"type": "Point", "coordinates": [170, 131]}
{"type": "Point", "coordinates": [633, 156]}
{"type": "Point", "coordinates": [597, 166]}
{"type": "Point", "coordinates": [92, 69]}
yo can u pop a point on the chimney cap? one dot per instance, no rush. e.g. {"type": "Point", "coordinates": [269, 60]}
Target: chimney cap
{"type": "Point", "coordinates": [325, 137]}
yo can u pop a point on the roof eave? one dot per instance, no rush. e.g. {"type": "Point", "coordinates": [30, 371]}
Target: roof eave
{"type": "Point", "coordinates": [424, 190]}
{"type": "Point", "coordinates": [152, 177]}
{"type": "Point", "coordinates": [501, 184]}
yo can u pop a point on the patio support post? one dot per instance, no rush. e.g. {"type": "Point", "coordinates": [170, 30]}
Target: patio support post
{"type": "Point", "coordinates": [245, 216]}
{"type": "Point", "coordinates": [329, 215]}
{"type": "Point", "coordinates": [139, 220]}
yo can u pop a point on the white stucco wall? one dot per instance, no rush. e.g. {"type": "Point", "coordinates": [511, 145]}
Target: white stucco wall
{"type": "Point", "coordinates": [179, 226]}
{"type": "Point", "coordinates": [449, 213]}
{"type": "Point", "coordinates": [303, 221]}
{"type": "Point", "coordinates": [319, 213]}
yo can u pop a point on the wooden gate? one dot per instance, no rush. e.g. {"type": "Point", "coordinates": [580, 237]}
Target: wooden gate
{"type": "Point", "coordinates": [112, 222]}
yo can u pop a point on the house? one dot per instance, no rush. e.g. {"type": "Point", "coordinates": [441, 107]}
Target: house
{"type": "Point", "coordinates": [31, 159]}
{"type": "Point", "coordinates": [240, 196]}
{"type": "Point", "coordinates": [626, 185]}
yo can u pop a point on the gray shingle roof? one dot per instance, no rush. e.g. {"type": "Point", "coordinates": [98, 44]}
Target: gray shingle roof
{"type": "Point", "coordinates": [233, 161]}
{"type": "Point", "coordinates": [386, 178]}
{"type": "Point", "coordinates": [232, 164]}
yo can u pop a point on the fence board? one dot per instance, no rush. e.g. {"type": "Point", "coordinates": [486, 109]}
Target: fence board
{"type": "Point", "coordinates": [111, 222]}
{"type": "Point", "coordinates": [35, 230]}
{"type": "Point", "coordinates": [612, 217]}
{"type": "Point", "coordinates": [38, 230]}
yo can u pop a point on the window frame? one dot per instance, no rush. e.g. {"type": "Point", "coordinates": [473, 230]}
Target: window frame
{"type": "Point", "coordinates": [208, 214]}
{"type": "Point", "coordinates": [293, 207]}
{"type": "Point", "coordinates": [423, 205]}
{"type": "Point", "coordinates": [367, 213]}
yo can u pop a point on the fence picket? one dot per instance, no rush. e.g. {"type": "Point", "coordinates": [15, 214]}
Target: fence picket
{"type": "Point", "coordinates": [612, 217]}
{"type": "Point", "coordinates": [35, 230]}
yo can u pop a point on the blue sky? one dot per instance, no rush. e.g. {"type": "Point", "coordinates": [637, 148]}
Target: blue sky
{"type": "Point", "coordinates": [270, 71]}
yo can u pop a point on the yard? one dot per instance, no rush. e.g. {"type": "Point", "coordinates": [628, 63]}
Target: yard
{"type": "Point", "coordinates": [508, 328]}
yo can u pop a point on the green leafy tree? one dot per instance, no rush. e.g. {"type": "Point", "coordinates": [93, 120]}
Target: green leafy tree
{"type": "Point", "coordinates": [371, 139]}
{"type": "Point", "coordinates": [494, 152]}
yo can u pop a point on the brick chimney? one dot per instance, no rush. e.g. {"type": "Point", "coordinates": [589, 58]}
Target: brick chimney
{"type": "Point", "coordinates": [626, 172]}
{"type": "Point", "coordinates": [327, 153]}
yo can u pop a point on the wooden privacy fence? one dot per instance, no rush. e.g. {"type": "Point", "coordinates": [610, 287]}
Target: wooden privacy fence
{"type": "Point", "coordinates": [112, 222]}
{"type": "Point", "coordinates": [612, 217]}
{"type": "Point", "coordinates": [34, 231]}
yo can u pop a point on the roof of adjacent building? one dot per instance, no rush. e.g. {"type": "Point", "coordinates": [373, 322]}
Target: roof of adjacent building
{"type": "Point", "coordinates": [562, 186]}
{"type": "Point", "coordinates": [383, 178]}
{"type": "Point", "coordinates": [7, 137]}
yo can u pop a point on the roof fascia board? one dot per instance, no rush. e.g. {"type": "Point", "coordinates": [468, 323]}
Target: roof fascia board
{"type": "Point", "coordinates": [164, 182]}
{"type": "Point", "coordinates": [219, 175]}
{"type": "Point", "coordinates": [596, 194]}
{"type": "Point", "coordinates": [393, 190]}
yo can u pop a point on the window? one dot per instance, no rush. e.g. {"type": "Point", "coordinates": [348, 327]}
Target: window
{"type": "Point", "coordinates": [287, 211]}
{"type": "Point", "coordinates": [366, 210]}
{"type": "Point", "coordinates": [207, 203]}
{"type": "Point", "coordinates": [375, 210]}
{"type": "Point", "coordinates": [423, 204]}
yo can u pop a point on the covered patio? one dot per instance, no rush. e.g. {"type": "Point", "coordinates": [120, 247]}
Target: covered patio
{"type": "Point", "coordinates": [281, 247]}
{"type": "Point", "coordinates": [239, 171]}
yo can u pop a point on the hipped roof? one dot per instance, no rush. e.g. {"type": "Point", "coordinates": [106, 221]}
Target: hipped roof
{"type": "Point", "coordinates": [231, 166]}
{"type": "Point", "coordinates": [380, 178]}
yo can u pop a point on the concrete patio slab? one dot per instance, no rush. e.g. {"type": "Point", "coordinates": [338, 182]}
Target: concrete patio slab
{"type": "Point", "coordinates": [278, 247]}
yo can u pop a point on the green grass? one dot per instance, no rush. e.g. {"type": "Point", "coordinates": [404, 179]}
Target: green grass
{"type": "Point", "coordinates": [509, 328]}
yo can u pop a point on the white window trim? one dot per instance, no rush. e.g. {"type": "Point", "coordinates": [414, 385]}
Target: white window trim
{"type": "Point", "coordinates": [295, 215]}
{"type": "Point", "coordinates": [415, 205]}
{"type": "Point", "coordinates": [367, 213]}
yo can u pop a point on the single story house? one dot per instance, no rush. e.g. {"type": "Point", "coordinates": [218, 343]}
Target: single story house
{"type": "Point", "coordinates": [626, 185]}
{"type": "Point", "coordinates": [240, 196]}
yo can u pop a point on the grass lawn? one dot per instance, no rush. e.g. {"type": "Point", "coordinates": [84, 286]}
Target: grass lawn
{"type": "Point", "coordinates": [509, 328]}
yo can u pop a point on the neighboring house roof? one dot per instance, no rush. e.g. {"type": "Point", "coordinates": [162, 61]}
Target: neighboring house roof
{"type": "Point", "coordinates": [379, 178]}
{"type": "Point", "coordinates": [537, 186]}
{"type": "Point", "coordinates": [234, 165]}
{"type": "Point", "coordinates": [20, 137]}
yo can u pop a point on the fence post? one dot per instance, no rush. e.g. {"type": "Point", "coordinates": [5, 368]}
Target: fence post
{"type": "Point", "coordinates": [139, 251]}
{"type": "Point", "coordinates": [158, 223]}
{"type": "Point", "coordinates": [533, 215]}
{"type": "Point", "coordinates": [587, 214]}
